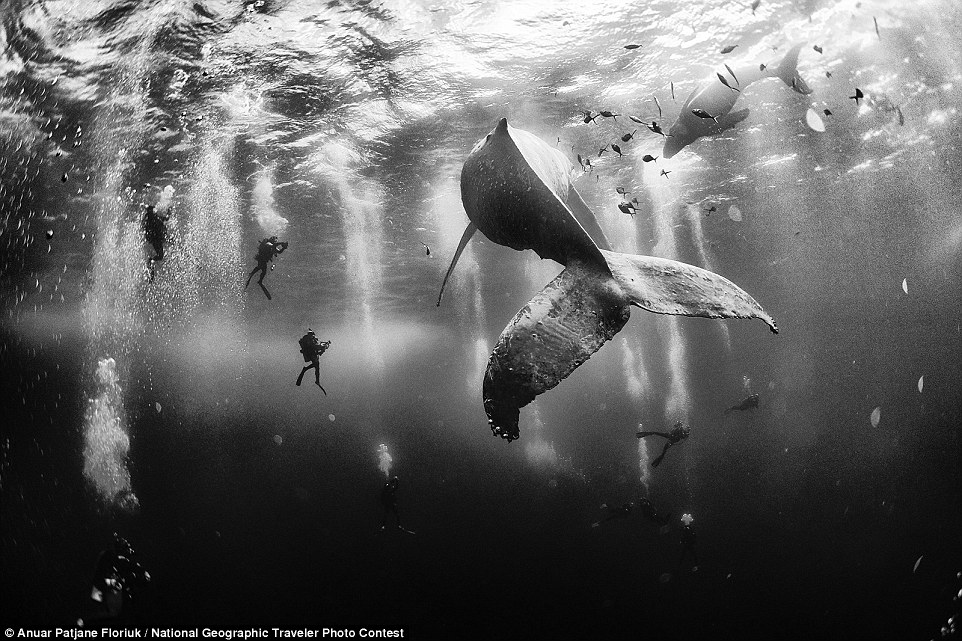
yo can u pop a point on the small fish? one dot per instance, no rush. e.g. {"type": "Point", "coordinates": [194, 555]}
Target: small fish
{"type": "Point", "coordinates": [672, 90]}
{"type": "Point", "coordinates": [630, 47]}
{"type": "Point", "coordinates": [817, 48]}
{"type": "Point", "coordinates": [655, 128]}
{"type": "Point", "coordinates": [827, 112]}
{"type": "Point", "coordinates": [49, 234]}
{"type": "Point", "coordinates": [602, 150]}
{"type": "Point", "coordinates": [755, 5]}
{"type": "Point", "coordinates": [638, 120]}
{"type": "Point", "coordinates": [621, 190]}
{"type": "Point", "coordinates": [665, 173]}
{"type": "Point", "coordinates": [858, 95]}
{"type": "Point", "coordinates": [733, 75]}
{"type": "Point", "coordinates": [649, 158]}
{"type": "Point", "coordinates": [63, 178]}
{"type": "Point", "coordinates": [711, 210]}
{"type": "Point", "coordinates": [427, 250]}
{"type": "Point", "coordinates": [657, 105]}
{"type": "Point", "coordinates": [628, 137]}
{"type": "Point", "coordinates": [901, 117]}
{"type": "Point", "coordinates": [876, 28]}
{"type": "Point", "coordinates": [762, 67]}
{"type": "Point", "coordinates": [728, 49]}
{"type": "Point", "coordinates": [581, 161]}
{"type": "Point", "coordinates": [828, 74]}
{"type": "Point", "coordinates": [615, 148]}
{"type": "Point", "coordinates": [608, 114]}
{"type": "Point", "coordinates": [626, 208]}
{"type": "Point", "coordinates": [724, 81]}
{"type": "Point", "coordinates": [701, 113]}
{"type": "Point", "coordinates": [588, 117]}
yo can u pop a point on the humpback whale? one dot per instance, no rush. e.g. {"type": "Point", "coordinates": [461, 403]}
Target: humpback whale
{"type": "Point", "coordinates": [718, 100]}
{"type": "Point", "coordinates": [517, 190]}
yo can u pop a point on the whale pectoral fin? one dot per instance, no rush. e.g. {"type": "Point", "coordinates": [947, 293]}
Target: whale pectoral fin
{"type": "Point", "coordinates": [554, 333]}
{"type": "Point", "coordinates": [732, 118]}
{"type": "Point", "coordinates": [666, 286]}
{"type": "Point", "coordinates": [728, 121]}
{"type": "Point", "coordinates": [465, 237]}
{"type": "Point", "coordinates": [587, 218]}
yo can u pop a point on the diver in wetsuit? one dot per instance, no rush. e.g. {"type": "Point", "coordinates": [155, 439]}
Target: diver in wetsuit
{"type": "Point", "coordinates": [155, 232]}
{"type": "Point", "coordinates": [649, 512]}
{"type": "Point", "coordinates": [118, 581]}
{"type": "Point", "coordinates": [749, 403]}
{"type": "Point", "coordinates": [266, 250]}
{"type": "Point", "coordinates": [679, 432]}
{"type": "Point", "coordinates": [389, 503]}
{"type": "Point", "coordinates": [312, 349]}
{"type": "Point", "coordinates": [620, 512]}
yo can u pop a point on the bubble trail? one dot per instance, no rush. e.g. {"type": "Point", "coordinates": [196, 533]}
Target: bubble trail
{"type": "Point", "coordinates": [265, 212]}
{"type": "Point", "coordinates": [106, 443]}
{"type": "Point", "coordinates": [384, 460]}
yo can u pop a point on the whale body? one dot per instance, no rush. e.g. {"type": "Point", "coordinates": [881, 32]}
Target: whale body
{"type": "Point", "coordinates": [718, 100]}
{"type": "Point", "coordinates": [517, 190]}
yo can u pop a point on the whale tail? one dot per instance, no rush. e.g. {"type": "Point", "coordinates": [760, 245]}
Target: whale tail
{"type": "Point", "coordinates": [788, 71]}
{"type": "Point", "coordinates": [583, 308]}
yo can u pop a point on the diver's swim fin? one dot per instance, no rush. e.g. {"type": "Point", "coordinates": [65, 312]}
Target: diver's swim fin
{"type": "Point", "coordinates": [465, 237]}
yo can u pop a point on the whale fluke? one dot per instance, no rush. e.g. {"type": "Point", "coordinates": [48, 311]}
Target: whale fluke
{"type": "Point", "coordinates": [665, 286]}
{"type": "Point", "coordinates": [555, 332]}
{"type": "Point", "coordinates": [516, 189]}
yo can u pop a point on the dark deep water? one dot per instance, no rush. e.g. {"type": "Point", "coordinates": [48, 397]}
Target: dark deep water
{"type": "Point", "coordinates": [342, 127]}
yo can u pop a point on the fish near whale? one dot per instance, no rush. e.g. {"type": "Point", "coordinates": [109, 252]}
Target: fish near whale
{"type": "Point", "coordinates": [517, 190]}
{"type": "Point", "coordinates": [718, 99]}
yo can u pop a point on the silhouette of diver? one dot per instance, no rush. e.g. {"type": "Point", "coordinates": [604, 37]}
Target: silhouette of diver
{"type": "Point", "coordinates": [155, 233]}
{"type": "Point", "coordinates": [749, 403]}
{"type": "Point", "coordinates": [118, 580]}
{"type": "Point", "coordinates": [649, 512]}
{"type": "Point", "coordinates": [312, 349]}
{"type": "Point", "coordinates": [389, 503]}
{"type": "Point", "coordinates": [679, 433]}
{"type": "Point", "coordinates": [620, 512]}
{"type": "Point", "coordinates": [688, 544]}
{"type": "Point", "coordinates": [266, 250]}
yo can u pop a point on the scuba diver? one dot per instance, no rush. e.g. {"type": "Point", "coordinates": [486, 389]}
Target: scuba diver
{"type": "Point", "coordinates": [679, 432]}
{"type": "Point", "coordinates": [688, 541]}
{"type": "Point", "coordinates": [749, 403]}
{"type": "Point", "coordinates": [620, 512]}
{"type": "Point", "coordinates": [649, 512]}
{"type": "Point", "coordinates": [155, 233]}
{"type": "Point", "coordinates": [118, 581]}
{"type": "Point", "coordinates": [266, 250]}
{"type": "Point", "coordinates": [312, 349]}
{"type": "Point", "coordinates": [389, 503]}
